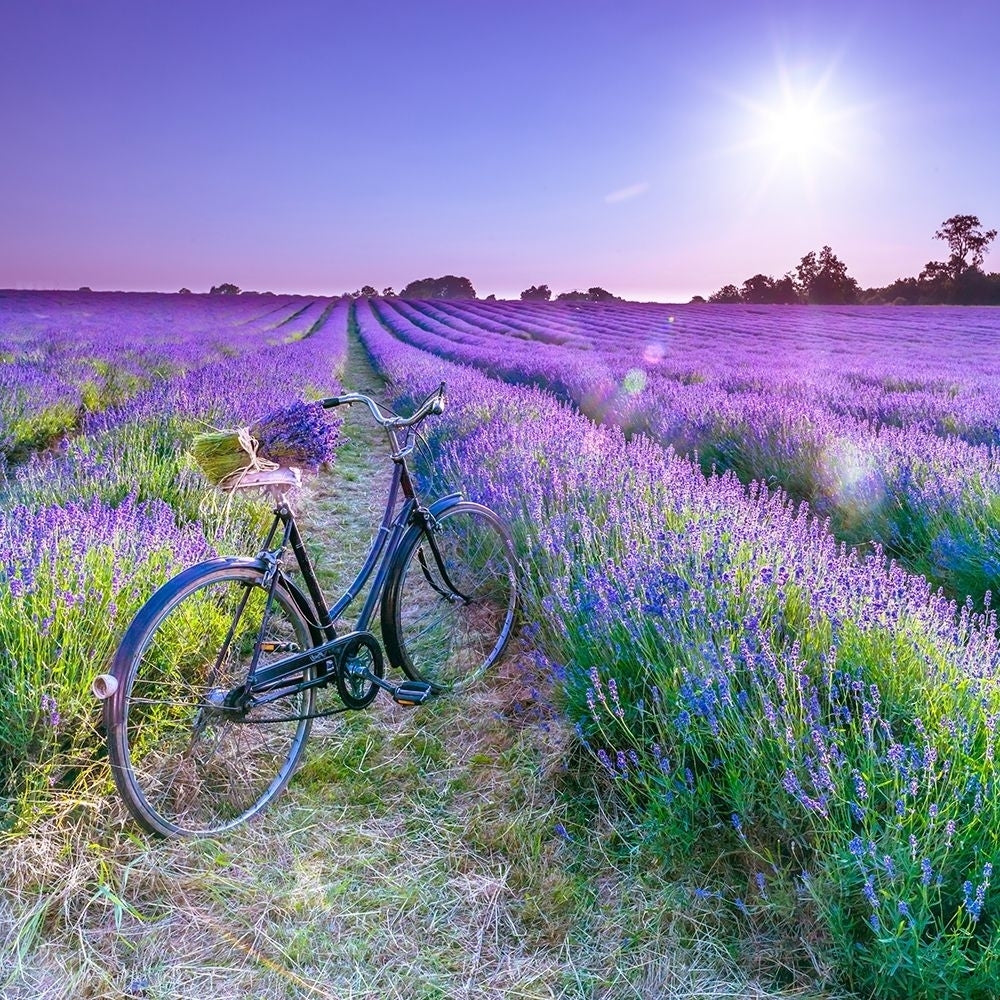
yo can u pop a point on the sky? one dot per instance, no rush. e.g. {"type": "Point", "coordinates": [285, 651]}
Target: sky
{"type": "Point", "coordinates": [656, 149]}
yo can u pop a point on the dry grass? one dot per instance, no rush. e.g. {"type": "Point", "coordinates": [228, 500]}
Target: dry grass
{"type": "Point", "coordinates": [415, 855]}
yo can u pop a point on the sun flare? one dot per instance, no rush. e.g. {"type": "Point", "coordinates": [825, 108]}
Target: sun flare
{"type": "Point", "coordinates": [795, 133]}
{"type": "Point", "coordinates": [798, 128]}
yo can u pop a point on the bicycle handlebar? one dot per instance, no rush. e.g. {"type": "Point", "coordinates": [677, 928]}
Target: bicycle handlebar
{"type": "Point", "coordinates": [433, 404]}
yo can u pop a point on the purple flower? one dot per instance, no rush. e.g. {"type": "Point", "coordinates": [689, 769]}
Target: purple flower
{"type": "Point", "coordinates": [870, 894]}
{"type": "Point", "coordinates": [973, 902]}
{"type": "Point", "coordinates": [300, 435]}
{"type": "Point", "coordinates": [50, 710]}
{"type": "Point", "coordinates": [926, 872]}
{"type": "Point", "coordinates": [761, 885]}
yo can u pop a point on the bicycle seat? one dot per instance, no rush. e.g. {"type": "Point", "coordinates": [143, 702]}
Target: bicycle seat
{"type": "Point", "coordinates": [282, 478]}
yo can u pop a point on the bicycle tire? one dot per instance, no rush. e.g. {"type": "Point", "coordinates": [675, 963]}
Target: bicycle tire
{"type": "Point", "coordinates": [182, 767]}
{"type": "Point", "coordinates": [432, 635]}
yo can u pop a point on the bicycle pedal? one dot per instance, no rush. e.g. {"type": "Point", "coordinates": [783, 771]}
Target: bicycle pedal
{"type": "Point", "coordinates": [412, 693]}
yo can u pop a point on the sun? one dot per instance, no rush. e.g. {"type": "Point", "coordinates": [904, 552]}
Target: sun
{"type": "Point", "coordinates": [798, 128]}
{"type": "Point", "coordinates": [793, 133]}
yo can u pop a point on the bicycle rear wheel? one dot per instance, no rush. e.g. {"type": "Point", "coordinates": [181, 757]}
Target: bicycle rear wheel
{"type": "Point", "coordinates": [450, 599]}
{"type": "Point", "coordinates": [183, 762]}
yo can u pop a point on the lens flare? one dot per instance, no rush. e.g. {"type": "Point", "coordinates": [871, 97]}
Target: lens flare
{"type": "Point", "coordinates": [635, 382]}
{"type": "Point", "coordinates": [852, 476]}
{"type": "Point", "coordinates": [654, 353]}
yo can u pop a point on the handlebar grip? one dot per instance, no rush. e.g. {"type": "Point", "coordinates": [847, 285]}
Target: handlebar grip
{"type": "Point", "coordinates": [439, 402]}
{"type": "Point", "coordinates": [330, 402]}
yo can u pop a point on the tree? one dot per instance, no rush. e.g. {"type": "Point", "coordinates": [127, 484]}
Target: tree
{"type": "Point", "coordinates": [902, 292]}
{"type": "Point", "coordinates": [725, 295]}
{"type": "Point", "coordinates": [935, 272]}
{"type": "Point", "coordinates": [537, 293]}
{"type": "Point", "coordinates": [387, 292]}
{"type": "Point", "coordinates": [598, 294]}
{"type": "Point", "coordinates": [784, 292]}
{"type": "Point", "coordinates": [976, 288]}
{"type": "Point", "coordinates": [960, 279]}
{"type": "Point", "coordinates": [184, 291]}
{"type": "Point", "coordinates": [762, 289]}
{"type": "Point", "coordinates": [967, 243]}
{"type": "Point", "coordinates": [833, 284]}
{"type": "Point", "coordinates": [226, 288]}
{"type": "Point", "coordinates": [806, 271]}
{"type": "Point", "coordinates": [447, 287]}
{"type": "Point", "coordinates": [824, 279]}
{"type": "Point", "coordinates": [758, 289]}
{"type": "Point", "coordinates": [368, 291]}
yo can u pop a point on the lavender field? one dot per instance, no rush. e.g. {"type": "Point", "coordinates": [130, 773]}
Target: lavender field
{"type": "Point", "coordinates": [886, 421]}
{"type": "Point", "coordinates": [100, 503]}
{"type": "Point", "coordinates": [758, 545]}
{"type": "Point", "coordinates": [66, 354]}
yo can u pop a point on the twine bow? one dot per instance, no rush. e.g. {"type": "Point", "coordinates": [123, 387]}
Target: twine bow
{"type": "Point", "coordinates": [248, 444]}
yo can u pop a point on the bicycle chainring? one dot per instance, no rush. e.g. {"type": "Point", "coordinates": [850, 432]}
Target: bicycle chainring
{"type": "Point", "coordinates": [359, 660]}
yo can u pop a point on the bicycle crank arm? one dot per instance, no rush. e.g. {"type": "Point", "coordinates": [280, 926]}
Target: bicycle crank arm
{"type": "Point", "coordinates": [290, 668]}
{"type": "Point", "coordinates": [407, 693]}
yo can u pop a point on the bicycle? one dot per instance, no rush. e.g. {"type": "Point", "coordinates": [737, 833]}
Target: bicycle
{"type": "Point", "coordinates": [211, 695]}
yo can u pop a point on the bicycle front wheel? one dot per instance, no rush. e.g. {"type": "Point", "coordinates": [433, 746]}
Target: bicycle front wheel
{"type": "Point", "coordinates": [183, 761]}
{"type": "Point", "coordinates": [449, 604]}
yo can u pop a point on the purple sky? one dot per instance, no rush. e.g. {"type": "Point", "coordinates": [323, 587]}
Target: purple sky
{"type": "Point", "coordinates": [641, 146]}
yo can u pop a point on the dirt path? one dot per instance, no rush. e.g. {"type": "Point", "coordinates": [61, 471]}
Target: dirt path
{"type": "Point", "coordinates": [341, 509]}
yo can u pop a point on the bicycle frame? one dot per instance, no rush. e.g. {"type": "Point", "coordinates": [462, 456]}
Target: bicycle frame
{"type": "Point", "coordinates": [271, 682]}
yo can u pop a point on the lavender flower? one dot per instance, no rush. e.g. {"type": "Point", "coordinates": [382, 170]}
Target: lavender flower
{"type": "Point", "coordinates": [50, 710]}
{"type": "Point", "coordinates": [761, 885]}
{"type": "Point", "coordinates": [300, 435]}
{"type": "Point", "coordinates": [926, 871]}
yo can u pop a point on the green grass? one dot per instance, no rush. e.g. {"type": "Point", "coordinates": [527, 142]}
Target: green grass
{"type": "Point", "coordinates": [63, 629]}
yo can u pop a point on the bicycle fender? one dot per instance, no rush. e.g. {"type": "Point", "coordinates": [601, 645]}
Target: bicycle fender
{"type": "Point", "coordinates": [444, 503]}
{"type": "Point", "coordinates": [255, 562]}
{"type": "Point", "coordinates": [151, 609]}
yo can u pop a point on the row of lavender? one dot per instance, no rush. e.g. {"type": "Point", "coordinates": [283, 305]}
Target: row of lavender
{"type": "Point", "coordinates": [63, 353]}
{"type": "Point", "coordinates": [887, 422]}
{"type": "Point", "coordinates": [896, 367]}
{"type": "Point", "coordinates": [813, 732]}
{"type": "Point", "coordinates": [89, 530]}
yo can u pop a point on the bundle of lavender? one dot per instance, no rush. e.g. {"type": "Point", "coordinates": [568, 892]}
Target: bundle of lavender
{"type": "Point", "coordinates": [299, 436]}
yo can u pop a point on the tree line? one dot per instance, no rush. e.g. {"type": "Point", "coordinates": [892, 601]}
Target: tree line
{"type": "Point", "coordinates": [822, 277]}
{"type": "Point", "coordinates": [448, 286]}
{"type": "Point", "coordinates": [452, 287]}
